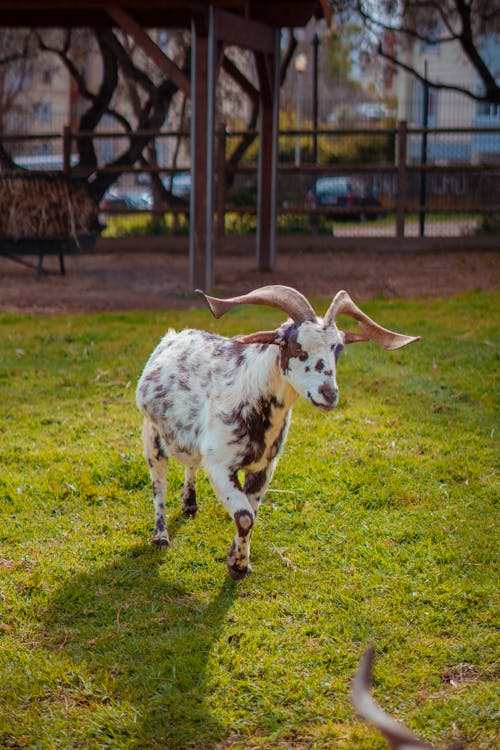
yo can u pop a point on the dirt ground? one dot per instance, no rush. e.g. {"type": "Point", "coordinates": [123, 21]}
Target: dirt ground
{"type": "Point", "coordinates": [122, 280]}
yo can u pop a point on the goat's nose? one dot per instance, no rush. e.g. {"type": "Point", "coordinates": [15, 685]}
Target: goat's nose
{"type": "Point", "coordinates": [330, 393]}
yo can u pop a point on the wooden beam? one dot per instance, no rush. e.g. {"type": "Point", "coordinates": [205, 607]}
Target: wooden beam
{"type": "Point", "coordinates": [243, 32]}
{"type": "Point", "coordinates": [247, 86]}
{"type": "Point", "coordinates": [143, 40]}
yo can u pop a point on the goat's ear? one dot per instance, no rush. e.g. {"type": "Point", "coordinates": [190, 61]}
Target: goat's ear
{"type": "Point", "coordinates": [350, 337]}
{"type": "Point", "coordinates": [260, 337]}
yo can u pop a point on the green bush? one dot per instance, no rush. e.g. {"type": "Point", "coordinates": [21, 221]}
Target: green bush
{"type": "Point", "coordinates": [490, 224]}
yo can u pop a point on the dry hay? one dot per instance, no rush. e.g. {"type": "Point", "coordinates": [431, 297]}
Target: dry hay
{"type": "Point", "coordinates": [45, 206]}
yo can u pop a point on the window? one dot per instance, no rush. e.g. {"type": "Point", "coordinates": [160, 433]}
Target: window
{"type": "Point", "coordinates": [42, 112]}
{"type": "Point", "coordinates": [432, 34]}
{"type": "Point", "coordinates": [487, 109]}
{"type": "Point", "coordinates": [163, 39]}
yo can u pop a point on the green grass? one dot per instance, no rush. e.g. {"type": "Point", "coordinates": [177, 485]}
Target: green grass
{"type": "Point", "coordinates": [380, 527]}
{"type": "Point", "coordinates": [143, 224]}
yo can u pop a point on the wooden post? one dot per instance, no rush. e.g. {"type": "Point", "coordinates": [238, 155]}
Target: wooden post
{"type": "Point", "coordinates": [203, 67]}
{"type": "Point", "coordinates": [402, 179]}
{"type": "Point", "coordinates": [315, 44]}
{"type": "Point", "coordinates": [268, 70]}
{"type": "Point", "coordinates": [221, 181]}
{"type": "Point", "coordinates": [67, 150]}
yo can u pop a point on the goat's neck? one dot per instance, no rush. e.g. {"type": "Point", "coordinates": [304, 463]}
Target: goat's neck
{"type": "Point", "coordinates": [268, 379]}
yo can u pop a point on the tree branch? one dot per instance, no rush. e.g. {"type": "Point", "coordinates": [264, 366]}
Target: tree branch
{"type": "Point", "coordinates": [493, 97]}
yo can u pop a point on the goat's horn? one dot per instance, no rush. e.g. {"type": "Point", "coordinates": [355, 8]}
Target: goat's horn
{"type": "Point", "coordinates": [343, 304]}
{"type": "Point", "coordinates": [285, 298]}
{"type": "Point", "coordinates": [399, 737]}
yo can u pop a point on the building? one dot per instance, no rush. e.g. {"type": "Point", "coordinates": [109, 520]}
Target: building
{"type": "Point", "coordinates": [447, 63]}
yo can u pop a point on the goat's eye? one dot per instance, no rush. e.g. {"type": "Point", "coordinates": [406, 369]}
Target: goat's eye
{"type": "Point", "coordinates": [337, 349]}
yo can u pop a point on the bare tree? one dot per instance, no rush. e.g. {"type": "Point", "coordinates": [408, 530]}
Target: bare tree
{"type": "Point", "coordinates": [149, 100]}
{"type": "Point", "coordinates": [16, 65]}
{"type": "Point", "coordinates": [434, 22]}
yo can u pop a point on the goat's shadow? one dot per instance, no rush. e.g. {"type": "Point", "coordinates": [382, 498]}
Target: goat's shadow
{"type": "Point", "coordinates": [150, 648]}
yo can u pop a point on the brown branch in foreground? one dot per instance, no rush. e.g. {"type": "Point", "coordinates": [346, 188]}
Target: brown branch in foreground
{"type": "Point", "coordinates": [398, 736]}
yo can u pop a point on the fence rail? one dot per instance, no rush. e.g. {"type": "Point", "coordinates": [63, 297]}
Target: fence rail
{"type": "Point", "coordinates": [401, 184]}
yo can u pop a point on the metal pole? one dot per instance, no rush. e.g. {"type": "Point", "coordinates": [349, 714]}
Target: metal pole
{"type": "Point", "coordinates": [423, 152]}
{"type": "Point", "coordinates": [315, 44]}
{"type": "Point", "coordinates": [300, 69]}
{"type": "Point", "coordinates": [192, 129]}
{"type": "Point", "coordinates": [211, 82]}
{"type": "Point", "coordinates": [298, 117]}
{"type": "Point", "coordinates": [402, 179]}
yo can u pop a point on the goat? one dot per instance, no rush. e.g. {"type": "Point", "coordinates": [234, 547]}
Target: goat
{"type": "Point", "coordinates": [224, 404]}
{"type": "Point", "coordinates": [398, 736]}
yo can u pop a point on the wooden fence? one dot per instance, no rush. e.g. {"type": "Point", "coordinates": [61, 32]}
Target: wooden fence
{"type": "Point", "coordinates": [409, 179]}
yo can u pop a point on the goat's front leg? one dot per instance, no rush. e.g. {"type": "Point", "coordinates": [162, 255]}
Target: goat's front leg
{"type": "Point", "coordinates": [157, 460]}
{"type": "Point", "coordinates": [256, 484]}
{"type": "Point", "coordinates": [228, 489]}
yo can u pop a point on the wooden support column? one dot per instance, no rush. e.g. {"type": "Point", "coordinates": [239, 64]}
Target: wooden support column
{"type": "Point", "coordinates": [268, 71]}
{"type": "Point", "coordinates": [203, 82]}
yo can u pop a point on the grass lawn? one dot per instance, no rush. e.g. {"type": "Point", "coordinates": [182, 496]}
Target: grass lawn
{"type": "Point", "coordinates": [380, 527]}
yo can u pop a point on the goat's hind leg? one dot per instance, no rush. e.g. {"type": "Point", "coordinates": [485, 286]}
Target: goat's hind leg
{"type": "Point", "coordinates": [189, 504]}
{"type": "Point", "coordinates": [157, 460]}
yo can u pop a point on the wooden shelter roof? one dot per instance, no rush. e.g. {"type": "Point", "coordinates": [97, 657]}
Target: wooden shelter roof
{"type": "Point", "coordinates": [153, 13]}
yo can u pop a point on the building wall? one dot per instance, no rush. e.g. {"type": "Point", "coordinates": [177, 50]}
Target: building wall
{"type": "Point", "coordinates": [447, 63]}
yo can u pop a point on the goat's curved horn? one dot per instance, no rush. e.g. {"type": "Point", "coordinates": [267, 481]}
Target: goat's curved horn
{"type": "Point", "coordinates": [399, 737]}
{"type": "Point", "coordinates": [342, 304]}
{"type": "Point", "coordinates": [285, 298]}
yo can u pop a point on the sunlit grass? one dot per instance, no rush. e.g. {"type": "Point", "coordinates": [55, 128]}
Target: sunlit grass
{"type": "Point", "coordinates": [380, 527]}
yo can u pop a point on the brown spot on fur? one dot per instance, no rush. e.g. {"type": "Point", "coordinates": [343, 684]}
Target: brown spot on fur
{"type": "Point", "coordinates": [291, 348]}
{"type": "Point", "coordinates": [251, 427]}
{"type": "Point", "coordinates": [235, 481]}
{"type": "Point", "coordinates": [277, 443]}
{"type": "Point", "coordinates": [320, 365]}
{"type": "Point", "coordinates": [159, 525]}
{"type": "Point", "coordinates": [254, 482]}
{"type": "Point", "coordinates": [244, 522]}
{"type": "Point", "coordinates": [160, 451]}
{"type": "Point", "coordinates": [189, 504]}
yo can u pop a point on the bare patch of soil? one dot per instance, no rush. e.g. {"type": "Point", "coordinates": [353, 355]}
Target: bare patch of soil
{"type": "Point", "coordinates": [121, 280]}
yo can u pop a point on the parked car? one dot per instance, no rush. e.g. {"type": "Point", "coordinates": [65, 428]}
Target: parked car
{"type": "Point", "coordinates": [350, 193]}
{"type": "Point", "coordinates": [179, 184]}
{"type": "Point", "coordinates": [117, 199]}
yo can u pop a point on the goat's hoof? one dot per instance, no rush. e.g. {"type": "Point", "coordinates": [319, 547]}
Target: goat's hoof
{"type": "Point", "coordinates": [189, 509]}
{"type": "Point", "coordinates": [236, 563]}
{"type": "Point", "coordinates": [189, 506]}
{"type": "Point", "coordinates": [237, 573]}
{"type": "Point", "coordinates": [162, 541]}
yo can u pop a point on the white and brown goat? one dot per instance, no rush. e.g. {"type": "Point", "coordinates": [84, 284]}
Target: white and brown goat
{"type": "Point", "coordinates": [224, 404]}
